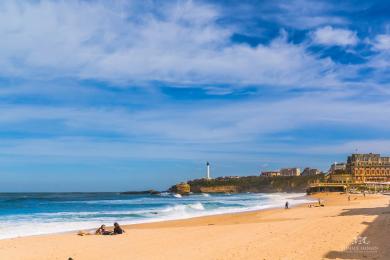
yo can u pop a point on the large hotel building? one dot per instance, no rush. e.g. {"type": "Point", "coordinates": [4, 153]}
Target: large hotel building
{"type": "Point", "coordinates": [368, 168]}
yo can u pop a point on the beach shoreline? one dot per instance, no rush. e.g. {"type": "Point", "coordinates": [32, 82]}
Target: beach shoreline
{"type": "Point", "coordinates": [127, 210]}
{"type": "Point", "coordinates": [263, 234]}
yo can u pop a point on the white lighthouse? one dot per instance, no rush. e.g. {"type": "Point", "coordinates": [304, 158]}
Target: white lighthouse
{"type": "Point", "coordinates": [208, 170]}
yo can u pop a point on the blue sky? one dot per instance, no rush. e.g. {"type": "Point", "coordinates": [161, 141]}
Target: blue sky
{"type": "Point", "coordinates": [131, 95]}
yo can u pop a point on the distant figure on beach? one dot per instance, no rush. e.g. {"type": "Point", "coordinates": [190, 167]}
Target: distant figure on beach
{"type": "Point", "coordinates": [117, 229]}
{"type": "Point", "coordinates": [319, 202]}
{"type": "Point", "coordinates": [349, 198]}
{"type": "Point", "coordinates": [102, 231]}
{"type": "Point", "coordinates": [364, 193]}
{"type": "Point", "coordinates": [286, 205]}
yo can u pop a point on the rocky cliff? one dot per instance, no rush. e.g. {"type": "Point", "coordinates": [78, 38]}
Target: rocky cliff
{"type": "Point", "coordinates": [254, 184]}
{"type": "Point", "coordinates": [217, 189]}
{"type": "Point", "coordinates": [181, 188]}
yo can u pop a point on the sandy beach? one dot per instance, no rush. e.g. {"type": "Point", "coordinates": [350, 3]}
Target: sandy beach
{"type": "Point", "coordinates": [342, 229]}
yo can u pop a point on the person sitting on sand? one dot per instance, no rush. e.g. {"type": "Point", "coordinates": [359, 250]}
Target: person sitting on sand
{"type": "Point", "coordinates": [117, 229]}
{"type": "Point", "coordinates": [102, 231]}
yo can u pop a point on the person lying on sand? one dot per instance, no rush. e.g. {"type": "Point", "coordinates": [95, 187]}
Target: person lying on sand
{"type": "Point", "coordinates": [117, 229]}
{"type": "Point", "coordinates": [102, 231]}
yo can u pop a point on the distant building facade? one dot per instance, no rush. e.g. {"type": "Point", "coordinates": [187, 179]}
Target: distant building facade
{"type": "Point", "coordinates": [368, 167]}
{"type": "Point", "coordinates": [338, 173]}
{"type": "Point", "coordinates": [290, 172]}
{"type": "Point", "coordinates": [310, 172]}
{"type": "Point", "coordinates": [270, 173]}
{"type": "Point", "coordinates": [338, 168]}
{"type": "Point", "coordinates": [341, 178]}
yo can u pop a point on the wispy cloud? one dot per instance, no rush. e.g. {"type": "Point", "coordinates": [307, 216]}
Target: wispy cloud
{"type": "Point", "coordinates": [182, 43]}
{"type": "Point", "coordinates": [200, 123]}
{"type": "Point", "coordinates": [382, 42]}
{"type": "Point", "coordinates": [334, 36]}
{"type": "Point", "coordinates": [303, 14]}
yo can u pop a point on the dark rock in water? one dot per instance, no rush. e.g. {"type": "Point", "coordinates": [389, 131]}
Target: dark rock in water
{"type": "Point", "coordinates": [154, 192]}
{"type": "Point", "coordinates": [150, 192]}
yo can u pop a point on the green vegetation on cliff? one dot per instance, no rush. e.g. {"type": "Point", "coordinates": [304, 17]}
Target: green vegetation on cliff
{"type": "Point", "coordinates": [255, 184]}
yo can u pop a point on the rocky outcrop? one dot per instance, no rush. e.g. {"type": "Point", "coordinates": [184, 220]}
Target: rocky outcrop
{"type": "Point", "coordinates": [181, 188]}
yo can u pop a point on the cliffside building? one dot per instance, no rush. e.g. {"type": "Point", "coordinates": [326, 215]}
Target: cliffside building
{"type": "Point", "coordinates": [290, 172]}
{"type": "Point", "coordinates": [368, 167]}
{"type": "Point", "coordinates": [310, 172]}
{"type": "Point", "coordinates": [270, 173]}
{"type": "Point", "coordinates": [338, 168]}
{"type": "Point", "coordinates": [361, 168]}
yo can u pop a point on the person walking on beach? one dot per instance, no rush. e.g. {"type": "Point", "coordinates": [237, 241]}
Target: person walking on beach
{"type": "Point", "coordinates": [286, 205]}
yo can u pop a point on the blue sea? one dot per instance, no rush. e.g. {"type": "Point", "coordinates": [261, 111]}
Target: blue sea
{"type": "Point", "coordinates": [25, 214]}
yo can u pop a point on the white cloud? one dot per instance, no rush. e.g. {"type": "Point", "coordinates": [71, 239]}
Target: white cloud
{"type": "Point", "coordinates": [179, 43]}
{"type": "Point", "coordinates": [304, 14]}
{"type": "Point", "coordinates": [380, 61]}
{"type": "Point", "coordinates": [333, 36]}
{"type": "Point", "coordinates": [382, 42]}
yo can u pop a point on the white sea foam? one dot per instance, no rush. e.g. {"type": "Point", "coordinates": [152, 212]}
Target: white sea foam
{"type": "Point", "coordinates": [164, 194]}
{"type": "Point", "coordinates": [197, 206]}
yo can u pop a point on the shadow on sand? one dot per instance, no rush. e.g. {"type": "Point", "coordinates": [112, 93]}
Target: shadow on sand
{"type": "Point", "coordinates": [373, 242]}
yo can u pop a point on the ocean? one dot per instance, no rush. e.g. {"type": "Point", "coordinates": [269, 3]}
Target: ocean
{"type": "Point", "coordinates": [25, 214]}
